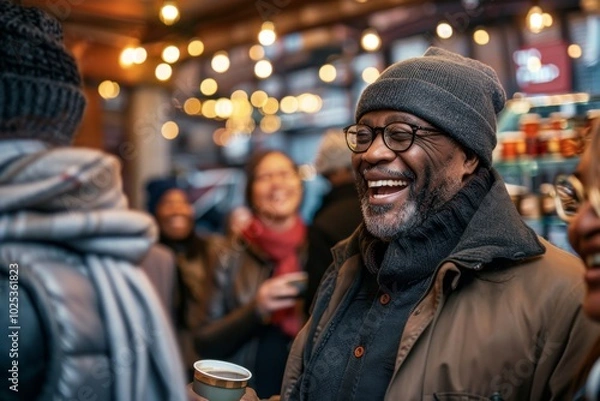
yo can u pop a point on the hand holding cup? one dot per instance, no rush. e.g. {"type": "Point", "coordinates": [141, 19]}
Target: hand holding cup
{"type": "Point", "coordinates": [217, 380]}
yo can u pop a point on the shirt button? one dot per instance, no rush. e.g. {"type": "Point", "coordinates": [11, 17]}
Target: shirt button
{"type": "Point", "coordinates": [359, 351]}
{"type": "Point", "coordinates": [384, 299]}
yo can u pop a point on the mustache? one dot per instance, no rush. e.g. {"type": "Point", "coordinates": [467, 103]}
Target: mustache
{"type": "Point", "coordinates": [407, 174]}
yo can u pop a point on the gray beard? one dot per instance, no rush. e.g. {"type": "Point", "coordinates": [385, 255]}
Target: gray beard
{"type": "Point", "coordinates": [403, 222]}
{"type": "Point", "coordinates": [412, 214]}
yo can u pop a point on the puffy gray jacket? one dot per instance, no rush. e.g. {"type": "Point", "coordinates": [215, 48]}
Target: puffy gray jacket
{"type": "Point", "coordinates": [84, 322]}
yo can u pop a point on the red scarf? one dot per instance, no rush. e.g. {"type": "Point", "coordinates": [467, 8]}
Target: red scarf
{"type": "Point", "coordinates": [282, 248]}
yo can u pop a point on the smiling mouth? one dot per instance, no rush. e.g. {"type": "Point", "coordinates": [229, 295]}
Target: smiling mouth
{"type": "Point", "coordinates": [593, 260]}
{"type": "Point", "coordinates": [383, 188]}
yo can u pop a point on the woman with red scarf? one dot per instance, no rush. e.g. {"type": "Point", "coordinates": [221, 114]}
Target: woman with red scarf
{"type": "Point", "coordinates": [255, 310]}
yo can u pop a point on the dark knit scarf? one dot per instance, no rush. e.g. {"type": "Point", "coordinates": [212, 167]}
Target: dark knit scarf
{"type": "Point", "coordinates": [282, 248]}
{"type": "Point", "coordinates": [415, 255]}
{"type": "Point", "coordinates": [403, 268]}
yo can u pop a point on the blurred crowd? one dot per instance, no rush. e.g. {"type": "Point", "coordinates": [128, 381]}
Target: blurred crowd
{"type": "Point", "coordinates": [416, 278]}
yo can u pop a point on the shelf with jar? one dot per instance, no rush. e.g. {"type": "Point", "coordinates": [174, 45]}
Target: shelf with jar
{"type": "Point", "coordinates": [536, 147]}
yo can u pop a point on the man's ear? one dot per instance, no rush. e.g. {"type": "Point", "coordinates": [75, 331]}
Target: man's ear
{"type": "Point", "coordinates": [471, 162]}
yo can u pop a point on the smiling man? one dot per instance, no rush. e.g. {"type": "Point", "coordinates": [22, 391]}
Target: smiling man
{"type": "Point", "coordinates": [443, 293]}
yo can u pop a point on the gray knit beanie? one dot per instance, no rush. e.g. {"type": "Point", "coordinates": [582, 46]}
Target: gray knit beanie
{"type": "Point", "coordinates": [333, 153]}
{"type": "Point", "coordinates": [40, 85]}
{"type": "Point", "coordinates": [458, 95]}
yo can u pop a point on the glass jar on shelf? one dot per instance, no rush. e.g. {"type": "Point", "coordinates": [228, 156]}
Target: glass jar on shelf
{"type": "Point", "coordinates": [512, 144]}
{"type": "Point", "coordinates": [569, 143]}
{"type": "Point", "coordinates": [530, 125]}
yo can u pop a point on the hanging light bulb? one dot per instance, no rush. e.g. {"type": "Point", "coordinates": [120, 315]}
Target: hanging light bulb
{"type": "Point", "coordinates": [220, 61]}
{"type": "Point", "coordinates": [267, 35]}
{"type": "Point", "coordinates": [169, 13]}
{"type": "Point", "coordinates": [370, 40]}
{"type": "Point", "coordinates": [263, 69]}
{"type": "Point", "coordinates": [535, 19]}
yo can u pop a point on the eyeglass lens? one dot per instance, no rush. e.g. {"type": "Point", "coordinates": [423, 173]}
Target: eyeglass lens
{"type": "Point", "coordinates": [396, 136]}
{"type": "Point", "coordinates": [569, 194]}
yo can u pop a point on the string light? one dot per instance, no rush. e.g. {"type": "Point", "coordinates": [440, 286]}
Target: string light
{"type": "Point", "coordinates": [220, 62]}
{"type": "Point", "coordinates": [370, 40]}
{"type": "Point", "coordinates": [169, 13]}
{"type": "Point", "coordinates": [267, 35]}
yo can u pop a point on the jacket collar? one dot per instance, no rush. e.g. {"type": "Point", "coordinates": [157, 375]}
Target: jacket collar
{"type": "Point", "coordinates": [496, 232]}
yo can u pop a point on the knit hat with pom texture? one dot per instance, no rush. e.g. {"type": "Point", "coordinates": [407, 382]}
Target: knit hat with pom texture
{"type": "Point", "coordinates": [40, 85]}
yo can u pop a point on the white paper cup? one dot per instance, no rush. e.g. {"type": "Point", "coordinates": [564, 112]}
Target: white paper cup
{"type": "Point", "coordinates": [219, 380]}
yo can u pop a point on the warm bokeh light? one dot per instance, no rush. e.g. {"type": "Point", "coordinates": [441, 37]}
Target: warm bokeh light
{"type": "Point", "coordinates": [574, 51]}
{"type": "Point", "coordinates": [127, 57]}
{"type": "Point", "coordinates": [163, 72]}
{"type": "Point", "coordinates": [195, 47]}
{"type": "Point", "coordinates": [220, 62]}
{"type": "Point", "coordinates": [170, 54]}
{"type": "Point", "coordinates": [271, 106]}
{"type": "Point", "coordinates": [241, 125]}
{"type": "Point", "coordinates": [370, 40]}
{"type": "Point", "coordinates": [256, 52]}
{"type": "Point", "coordinates": [263, 69]}
{"type": "Point", "coordinates": [208, 87]}
{"type": "Point", "coordinates": [223, 108]}
{"type": "Point", "coordinates": [239, 94]}
{"type": "Point", "coordinates": [139, 55]}
{"type": "Point", "coordinates": [109, 89]}
{"type": "Point", "coordinates": [289, 104]}
{"type": "Point", "coordinates": [309, 103]}
{"type": "Point", "coordinates": [259, 98]}
{"type": "Point", "coordinates": [535, 19]}
{"type": "Point", "coordinates": [481, 37]}
{"type": "Point", "coordinates": [170, 130]}
{"type": "Point", "coordinates": [208, 108]}
{"type": "Point", "coordinates": [267, 35]}
{"type": "Point", "coordinates": [547, 20]}
{"type": "Point", "coordinates": [221, 136]}
{"type": "Point", "coordinates": [192, 106]}
{"type": "Point", "coordinates": [169, 13]}
{"type": "Point", "coordinates": [327, 73]}
{"type": "Point", "coordinates": [370, 74]}
{"type": "Point", "coordinates": [270, 124]}
{"type": "Point", "coordinates": [242, 108]}
{"type": "Point", "coordinates": [444, 30]}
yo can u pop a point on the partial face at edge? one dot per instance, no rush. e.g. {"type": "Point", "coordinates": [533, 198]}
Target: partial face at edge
{"type": "Point", "coordinates": [584, 236]}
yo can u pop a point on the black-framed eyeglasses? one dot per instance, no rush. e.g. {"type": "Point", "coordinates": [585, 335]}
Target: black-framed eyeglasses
{"type": "Point", "coordinates": [397, 136]}
{"type": "Point", "coordinates": [569, 194]}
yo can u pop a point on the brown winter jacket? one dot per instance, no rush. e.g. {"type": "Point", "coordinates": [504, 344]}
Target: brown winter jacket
{"type": "Point", "coordinates": [498, 317]}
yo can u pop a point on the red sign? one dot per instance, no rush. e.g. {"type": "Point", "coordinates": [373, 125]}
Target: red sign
{"type": "Point", "coordinates": [544, 68]}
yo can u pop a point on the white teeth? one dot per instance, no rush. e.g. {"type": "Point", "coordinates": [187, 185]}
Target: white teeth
{"type": "Point", "coordinates": [593, 260]}
{"type": "Point", "coordinates": [386, 183]}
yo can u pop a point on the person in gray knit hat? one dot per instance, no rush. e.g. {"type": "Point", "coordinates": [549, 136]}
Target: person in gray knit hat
{"type": "Point", "coordinates": [40, 85]}
{"type": "Point", "coordinates": [442, 292]}
{"type": "Point", "coordinates": [82, 319]}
